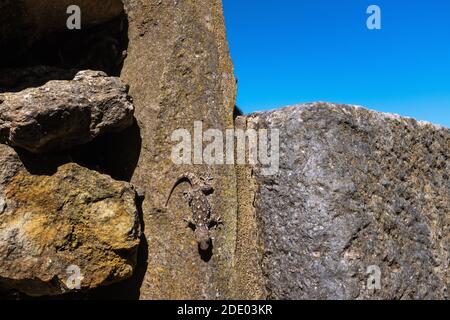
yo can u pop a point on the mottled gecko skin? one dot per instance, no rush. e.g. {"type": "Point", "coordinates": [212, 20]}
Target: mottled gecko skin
{"type": "Point", "coordinates": [202, 219]}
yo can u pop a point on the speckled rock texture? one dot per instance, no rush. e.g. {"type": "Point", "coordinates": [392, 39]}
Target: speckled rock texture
{"type": "Point", "coordinates": [179, 71]}
{"type": "Point", "coordinates": [61, 114]}
{"type": "Point", "coordinates": [63, 216]}
{"type": "Point", "coordinates": [355, 189]}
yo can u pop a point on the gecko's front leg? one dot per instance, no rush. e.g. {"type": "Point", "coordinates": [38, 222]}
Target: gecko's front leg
{"type": "Point", "coordinates": [187, 196]}
{"type": "Point", "coordinates": [215, 221]}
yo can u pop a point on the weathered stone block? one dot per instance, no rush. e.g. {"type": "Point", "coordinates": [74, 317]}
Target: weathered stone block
{"type": "Point", "coordinates": [60, 218]}
{"type": "Point", "coordinates": [356, 189]}
{"type": "Point", "coordinates": [61, 114]}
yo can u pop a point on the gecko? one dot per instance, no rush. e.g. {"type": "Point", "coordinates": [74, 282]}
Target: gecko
{"type": "Point", "coordinates": [202, 220]}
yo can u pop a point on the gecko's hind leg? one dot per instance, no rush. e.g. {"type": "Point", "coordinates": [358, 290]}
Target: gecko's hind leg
{"type": "Point", "coordinates": [207, 178]}
{"type": "Point", "coordinates": [187, 196]}
{"type": "Point", "coordinates": [215, 222]}
{"type": "Point", "coordinates": [190, 223]}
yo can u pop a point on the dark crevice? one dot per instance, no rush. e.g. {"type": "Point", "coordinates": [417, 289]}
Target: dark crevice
{"type": "Point", "coordinates": [115, 154]}
{"type": "Point", "coordinates": [60, 56]}
{"type": "Point", "coordinates": [42, 164]}
{"type": "Point", "coordinates": [237, 112]}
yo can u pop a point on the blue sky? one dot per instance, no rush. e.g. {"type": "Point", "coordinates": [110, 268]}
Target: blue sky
{"type": "Point", "coordinates": [292, 51]}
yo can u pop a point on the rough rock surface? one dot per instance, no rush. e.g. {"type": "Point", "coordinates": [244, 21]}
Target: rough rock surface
{"type": "Point", "coordinates": [61, 114]}
{"type": "Point", "coordinates": [179, 71]}
{"type": "Point", "coordinates": [62, 216]}
{"type": "Point", "coordinates": [355, 189]}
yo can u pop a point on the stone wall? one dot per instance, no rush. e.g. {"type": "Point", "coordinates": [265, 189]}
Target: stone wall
{"type": "Point", "coordinates": [86, 169]}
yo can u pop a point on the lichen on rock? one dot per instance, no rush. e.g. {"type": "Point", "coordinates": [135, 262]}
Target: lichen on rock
{"type": "Point", "coordinates": [72, 217]}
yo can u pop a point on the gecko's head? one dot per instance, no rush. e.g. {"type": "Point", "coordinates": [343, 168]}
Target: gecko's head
{"type": "Point", "coordinates": [203, 237]}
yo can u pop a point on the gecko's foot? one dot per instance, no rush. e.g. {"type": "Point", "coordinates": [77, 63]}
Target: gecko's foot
{"type": "Point", "coordinates": [215, 222]}
{"type": "Point", "coordinates": [187, 196]}
{"type": "Point", "coordinates": [190, 223]}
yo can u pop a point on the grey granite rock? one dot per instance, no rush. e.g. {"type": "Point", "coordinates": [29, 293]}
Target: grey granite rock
{"type": "Point", "coordinates": [61, 114]}
{"type": "Point", "coordinates": [355, 189]}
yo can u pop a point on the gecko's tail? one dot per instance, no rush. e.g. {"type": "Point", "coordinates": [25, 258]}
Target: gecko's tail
{"type": "Point", "coordinates": [183, 178]}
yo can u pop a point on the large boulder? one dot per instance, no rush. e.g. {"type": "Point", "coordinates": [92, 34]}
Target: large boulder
{"type": "Point", "coordinates": [61, 114]}
{"type": "Point", "coordinates": [360, 196]}
{"type": "Point", "coordinates": [63, 225]}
